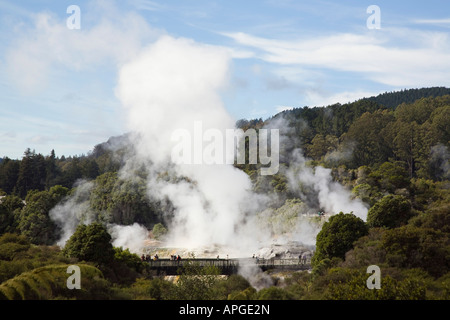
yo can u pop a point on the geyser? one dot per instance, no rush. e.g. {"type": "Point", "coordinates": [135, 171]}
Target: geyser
{"type": "Point", "coordinates": [171, 85]}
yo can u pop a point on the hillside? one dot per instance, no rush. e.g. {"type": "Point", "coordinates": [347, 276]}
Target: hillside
{"type": "Point", "coordinates": [394, 160]}
{"type": "Point", "coordinates": [392, 99]}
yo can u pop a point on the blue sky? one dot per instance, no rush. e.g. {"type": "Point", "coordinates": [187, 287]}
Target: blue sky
{"type": "Point", "coordinates": [57, 86]}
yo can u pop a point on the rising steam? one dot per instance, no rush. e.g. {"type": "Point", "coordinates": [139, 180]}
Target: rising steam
{"type": "Point", "coordinates": [170, 85]}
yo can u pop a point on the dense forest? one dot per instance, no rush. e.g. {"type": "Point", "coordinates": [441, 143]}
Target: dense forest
{"type": "Point", "coordinates": [391, 151]}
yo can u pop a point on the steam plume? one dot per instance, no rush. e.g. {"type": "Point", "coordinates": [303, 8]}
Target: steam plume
{"type": "Point", "coordinates": [172, 84]}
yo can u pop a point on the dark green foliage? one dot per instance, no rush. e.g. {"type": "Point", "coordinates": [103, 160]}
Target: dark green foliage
{"type": "Point", "coordinates": [32, 173]}
{"type": "Point", "coordinates": [413, 247]}
{"type": "Point", "coordinates": [337, 236]}
{"type": "Point", "coordinates": [367, 193]}
{"type": "Point", "coordinates": [389, 177]}
{"type": "Point", "coordinates": [125, 267]}
{"type": "Point", "coordinates": [351, 285]}
{"type": "Point", "coordinates": [17, 255]}
{"type": "Point", "coordinates": [90, 243]}
{"type": "Point", "coordinates": [11, 245]}
{"type": "Point", "coordinates": [153, 289]}
{"type": "Point", "coordinates": [370, 138]}
{"type": "Point", "coordinates": [9, 172]}
{"type": "Point", "coordinates": [390, 212]}
{"type": "Point", "coordinates": [131, 260]}
{"type": "Point", "coordinates": [122, 201]}
{"type": "Point", "coordinates": [273, 293]}
{"type": "Point", "coordinates": [34, 221]}
{"type": "Point", "coordinates": [10, 207]}
{"type": "Point", "coordinates": [196, 283]}
{"type": "Point", "coordinates": [437, 218]}
{"type": "Point", "coordinates": [235, 287]}
{"type": "Point", "coordinates": [392, 99]}
{"type": "Point", "coordinates": [49, 282]}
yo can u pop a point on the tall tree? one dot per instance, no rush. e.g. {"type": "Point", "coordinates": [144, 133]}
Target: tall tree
{"type": "Point", "coordinates": [407, 144]}
{"type": "Point", "coordinates": [371, 138]}
{"type": "Point", "coordinates": [51, 170]}
{"type": "Point", "coordinates": [32, 173]}
{"type": "Point", "coordinates": [9, 173]}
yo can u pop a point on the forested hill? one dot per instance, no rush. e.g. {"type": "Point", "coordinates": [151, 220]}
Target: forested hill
{"type": "Point", "coordinates": [336, 118]}
{"type": "Point", "coordinates": [364, 132]}
{"type": "Point", "coordinates": [392, 99]}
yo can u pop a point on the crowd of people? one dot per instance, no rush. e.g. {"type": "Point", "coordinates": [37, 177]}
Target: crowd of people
{"type": "Point", "coordinates": [148, 258]}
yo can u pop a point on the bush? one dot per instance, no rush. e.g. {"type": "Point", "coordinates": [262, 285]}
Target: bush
{"type": "Point", "coordinates": [337, 236]}
{"type": "Point", "coordinates": [90, 243]}
{"type": "Point", "coordinates": [412, 247]}
{"type": "Point", "coordinates": [390, 212]}
{"type": "Point", "coordinates": [273, 293]}
{"type": "Point", "coordinates": [50, 282]}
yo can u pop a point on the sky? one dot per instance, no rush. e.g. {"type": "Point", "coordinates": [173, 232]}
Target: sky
{"type": "Point", "coordinates": [58, 83]}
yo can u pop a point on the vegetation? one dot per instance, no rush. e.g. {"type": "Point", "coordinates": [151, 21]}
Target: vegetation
{"type": "Point", "coordinates": [391, 151]}
{"type": "Point", "coordinates": [337, 236]}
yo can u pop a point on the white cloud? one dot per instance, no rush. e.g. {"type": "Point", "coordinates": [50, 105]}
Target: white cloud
{"type": "Point", "coordinates": [57, 84]}
{"type": "Point", "coordinates": [315, 98]}
{"type": "Point", "coordinates": [39, 51]}
{"type": "Point", "coordinates": [395, 57]}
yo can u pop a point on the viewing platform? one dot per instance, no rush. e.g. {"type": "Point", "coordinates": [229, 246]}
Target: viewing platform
{"type": "Point", "coordinates": [227, 266]}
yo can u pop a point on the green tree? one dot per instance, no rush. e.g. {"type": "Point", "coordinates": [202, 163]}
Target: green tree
{"type": "Point", "coordinates": [123, 201]}
{"type": "Point", "coordinates": [337, 236]}
{"type": "Point", "coordinates": [34, 221]}
{"type": "Point", "coordinates": [414, 247]}
{"type": "Point", "coordinates": [9, 173]}
{"type": "Point", "coordinates": [89, 168]}
{"type": "Point", "coordinates": [90, 243]}
{"type": "Point", "coordinates": [439, 129]}
{"type": "Point", "coordinates": [390, 176]}
{"type": "Point", "coordinates": [10, 207]}
{"type": "Point", "coordinates": [370, 136]}
{"type": "Point", "coordinates": [71, 172]}
{"type": "Point", "coordinates": [32, 173]}
{"type": "Point", "coordinates": [367, 193]}
{"type": "Point", "coordinates": [131, 260]}
{"type": "Point", "coordinates": [51, 170]}
{"type": "Point", "coordinates": [407, 142]}
{"type": "Point", "coordinates": [390, 212]}
{"type": "Point", "coordinates": [321, 145]}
